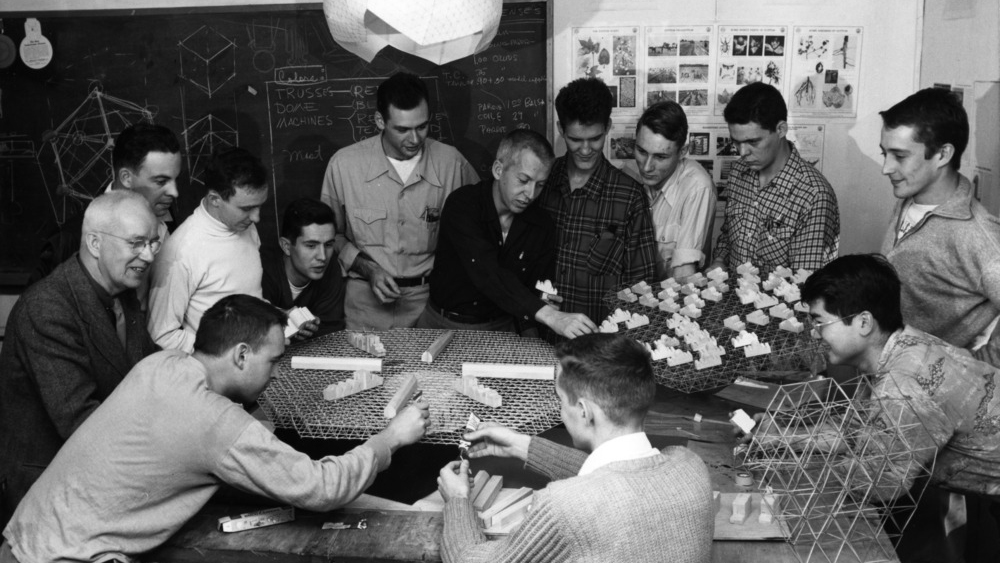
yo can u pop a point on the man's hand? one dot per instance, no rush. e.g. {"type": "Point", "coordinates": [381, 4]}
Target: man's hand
{"type": "Point", "coordinates": [494, 440]}
{"type": "Point", "coordinates": [453, 481]}
{"type": "Point", "coordinates": [683, 272]}
{"type": "Point", "coordinates": [382, 284]}
{"type": "Point", "coordinates": [569, 325]}
{"type": "Point", "coordinates": [714, 265]}
{"type": "Point", "coordinates": [307, 330]}
{"type": "Point", "coordinates": [409, 425]}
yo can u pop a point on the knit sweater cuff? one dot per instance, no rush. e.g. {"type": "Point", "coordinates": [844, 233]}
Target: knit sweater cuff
{"type": "Point", "coordinates": [461, 529]}
{"type": "Point", "coordinates": [551, 459]}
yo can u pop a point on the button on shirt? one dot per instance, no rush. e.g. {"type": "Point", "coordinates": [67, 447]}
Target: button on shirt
{"type": "Point", "coordinates": [395, 223]}
{"type": "Point", "coordinates": [793, 221]}
{"type": "Point", "coordinates": [605, 236]}
{"type": "Point", "coordinates": [682, 210]}
{"type": "Point", "coordinates": [476, 271]}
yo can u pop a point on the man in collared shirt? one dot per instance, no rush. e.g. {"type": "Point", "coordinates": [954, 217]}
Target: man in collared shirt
{"type": "Point", "coordinates": [681, 192]}
{"type": "Point", "coordinates": [214, 253]}
{"type": "Point", "coordinates": [387, 193]}
{"type": "Point", "coordinates": [302, 274]}
{"type": "Point", "coordinates": [605, 233]}
{"type": "Point", "coordinates": [71, 338]}
{"type": "Point", "coordinates": [495, 245]}
{"type": "Point", "coordinates": [942, 241]}
{"type": "Point", "coordinates": [781, 211]}
{"type": "Point", "coordinates": [625, 501]}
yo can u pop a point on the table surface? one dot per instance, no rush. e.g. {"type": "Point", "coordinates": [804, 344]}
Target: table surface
{"type": "Point", "coordinates": [407, 535]}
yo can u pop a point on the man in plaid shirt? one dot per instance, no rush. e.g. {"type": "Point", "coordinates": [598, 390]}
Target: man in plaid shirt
{"type": "Point", "coordinates": [781, 211]}
{"type": "Point", "coordinates": [605, 233]}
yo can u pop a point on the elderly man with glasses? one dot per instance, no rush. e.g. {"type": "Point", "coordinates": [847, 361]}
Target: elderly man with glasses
{"type": "Point", "coordinates": [72, 337]}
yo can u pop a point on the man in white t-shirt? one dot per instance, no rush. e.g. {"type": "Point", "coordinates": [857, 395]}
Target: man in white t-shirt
{"type": "Point", "coordinates": [942, 241]}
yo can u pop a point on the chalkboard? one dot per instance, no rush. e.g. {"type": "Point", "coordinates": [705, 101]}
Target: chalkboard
{"type": "Point", "coordinates": [271, 80]}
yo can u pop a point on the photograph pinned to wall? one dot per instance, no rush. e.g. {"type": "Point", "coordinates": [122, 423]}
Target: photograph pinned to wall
{"type": "Point", "coordinates": [748, 54]}
{"type": "Point", "coordinates": [825, 70]}
{"type": "Point", "coordinates": [809, 139]}
{"type": "Point", "coordinates": [707, 144]}
{"type": "Point", "coordinates": [620, 147]}
{"type": "Point", "coordinates": [611, 54]}
{"type": "Point", "coordinates": [679, 66]}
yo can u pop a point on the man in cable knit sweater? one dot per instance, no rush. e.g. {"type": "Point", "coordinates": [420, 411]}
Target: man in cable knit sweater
{"type": "Point", "coordinates": [214, 253]}
{"type": "Point", "coordinates": [626, 501]}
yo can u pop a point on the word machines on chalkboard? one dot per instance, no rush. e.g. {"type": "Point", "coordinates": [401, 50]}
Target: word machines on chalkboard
{"type": "Point", "coordinates": [271, 80]}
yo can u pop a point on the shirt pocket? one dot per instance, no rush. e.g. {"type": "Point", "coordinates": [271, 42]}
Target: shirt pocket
{"type": "Point", "coordinates": [604, 257]}
{"type": "Point", "coordinates": [774, 245]}
{"type": "Point", "coordinates": [667, 237]}
{"type": "Point", "coordinates": [368, 225]}
{"type": "Point", "coordinates": [428, 226]}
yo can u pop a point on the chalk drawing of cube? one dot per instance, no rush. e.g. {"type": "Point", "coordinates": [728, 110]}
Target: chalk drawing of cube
{"type": "Point", "coordinates": [207, 59]}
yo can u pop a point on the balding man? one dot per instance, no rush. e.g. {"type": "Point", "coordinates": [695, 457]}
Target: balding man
{"type": "Point", "coordinates": [71, 338]}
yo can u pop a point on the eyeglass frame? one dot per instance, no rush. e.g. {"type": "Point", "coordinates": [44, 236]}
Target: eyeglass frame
{"type": "Point", "coordinates": [139, 244]}
{"type": "Point", "coordinates": [815, 327]}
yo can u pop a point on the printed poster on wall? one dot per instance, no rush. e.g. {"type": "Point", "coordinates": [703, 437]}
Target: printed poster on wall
{"type": "Point", "coordinates": [611, 55]}
{"type": "Point", "coordinates": [620, 147]}
{"type": "Point", "coordinates": [749, 54]}
{"type": "Point", "coordinates": [825, 70]}
{"type": "Point", "coordinates": [679, 67]}
{"type": "Point", "coordinates": [709, 144]}
{"type": "Point", "coordinates": [809, 140]}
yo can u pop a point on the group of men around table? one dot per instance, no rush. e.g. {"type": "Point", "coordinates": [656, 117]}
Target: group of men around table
{"type": "Point", "coordinates": [119, 462]}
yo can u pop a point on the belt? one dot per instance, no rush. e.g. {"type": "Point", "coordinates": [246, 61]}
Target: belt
{"type": "Point", "coordinates": [460, 318]}
{"type": "Point", "coordinates": [412, 282]}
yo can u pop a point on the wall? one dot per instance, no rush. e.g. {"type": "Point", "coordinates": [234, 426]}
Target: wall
{"type": "Point", "coordinates": [889, 67]}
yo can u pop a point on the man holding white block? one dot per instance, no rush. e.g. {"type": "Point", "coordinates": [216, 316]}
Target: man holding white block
{"type": "Point", "coordinates": [591, 511]}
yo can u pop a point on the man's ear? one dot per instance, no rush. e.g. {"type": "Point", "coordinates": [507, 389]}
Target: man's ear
{"type": "Point", "coordinates": [782, 128]}
{"type": "Point", "coordinates": [286, 245]}
{"type": "Point", "coordinates": [93, 244]}
{"type": "Point", "coordinates": [866, 323]}
{"type": "Point", "coordinates": [497, 169]}
{"type": "Point", "coordinates": [586, 410]}
{"type": "Point", "coordinates": [125, 177]}
{"type": "Point", "coordinates": [240, 354]}
{"type": "Point", "coordinates": [945, 154]}
{"type": "Point", "coordinates": [379, 121]}
{"type": "Point", "coordinates": [213, 198]}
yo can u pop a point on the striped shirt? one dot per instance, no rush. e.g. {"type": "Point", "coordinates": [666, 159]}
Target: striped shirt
{"type": "Point", "coordinates": [605, 236]}
{"type": "Point", "coordinates": [793, 221]}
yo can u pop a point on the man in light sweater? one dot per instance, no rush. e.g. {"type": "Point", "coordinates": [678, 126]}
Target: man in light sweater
{"type": "Point", "coordinates": [214, 253]}
{"type": "Point", "coordinates": [172, 432]}
{"type": "Point", "coordinates": [626, 501]}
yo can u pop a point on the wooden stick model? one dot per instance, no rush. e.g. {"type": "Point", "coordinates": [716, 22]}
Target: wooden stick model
{"type": "Point", "coordinates": [508, 371]}
{"type": "Point", "coordinates": [488, 493]}
{"type": "Point", "coordinates": [437, 347]}
{"type": "Point", "coordinates": [741, 508]}
{"type": "Point", "coordinates": [403, 394]}
{"type": "Point", "coordinates": [361, 381]}
{"type": "Point", "coordinates": [508, 500]}
{"type": "Point", "coordinates": [337, 364]}
{"type": "Point", "coordinates": [470, 387]}
{"type": "Point", "coordinates": [366, 342]}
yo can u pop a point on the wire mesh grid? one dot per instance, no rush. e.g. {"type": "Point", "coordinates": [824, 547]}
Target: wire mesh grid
{"type": "Point", "coordinates": [842, 464]}
{"type": "Point", "coordinates": [295, 398]}
{"type": "Point", "coordinates": [790, 352]}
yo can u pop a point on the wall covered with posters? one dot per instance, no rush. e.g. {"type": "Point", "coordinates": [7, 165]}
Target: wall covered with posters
{"type": "Point", "coordinates": [837, 63]}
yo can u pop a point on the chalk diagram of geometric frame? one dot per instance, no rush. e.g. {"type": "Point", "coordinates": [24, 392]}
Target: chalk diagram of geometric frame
{"type": "Point", "coordinates": [841, 462]}
{"type": "Point", "coordinates": [75, 157]}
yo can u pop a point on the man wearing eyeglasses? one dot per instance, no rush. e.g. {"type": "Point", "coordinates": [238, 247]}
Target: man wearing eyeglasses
{"type": "Point", "coordinates": [71, 338]}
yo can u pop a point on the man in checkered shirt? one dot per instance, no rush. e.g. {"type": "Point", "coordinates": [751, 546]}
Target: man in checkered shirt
{"type": "Point", "coordinates": [602, 216]}
{"type": "Point", "coordinates": [781, 211]}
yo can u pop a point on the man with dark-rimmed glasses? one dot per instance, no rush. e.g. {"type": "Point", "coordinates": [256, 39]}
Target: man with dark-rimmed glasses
{"type": "Point", "coordinates": [72, 337]}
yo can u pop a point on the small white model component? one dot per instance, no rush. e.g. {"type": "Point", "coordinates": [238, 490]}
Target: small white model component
{"type": "Point", "coordinates": [696, 338]}
{"type": "Point", "coordinates": [741, 508]}
{"type": "Point", "coordinates": [669, 340]}
{"type": "Point", "coordinates": [470, 387]}
{"type": "Point", "coordinates": [747, 268]}
{"type": "Point", "coordinates": [648, 300]}
{"type": "Point", "coordinates": [627, 296]}
{"type": "Point", "coordinates": [679, 357]}
{"type": "Point", "coordinates": [641, 288]}
{"type": "Point", "coordinates": [546, 287]}
{"type": "Point", "coordinates": [769, 506]}
{"type": "Point", "coordinates": [676, 320]}
{"type": "Point", "coordinates": [757, 349]}
{"type": "Point", "coordinates": [362, 380]}
{"type": "Point", "coordinates": [670, 283]}
{"type": "Point", "coordinates": [715, 348]}
{"type": "Point", "coordinates": [717, 274]}
{"type": "Point", "coordinates": [751, 278]}
{"type": "Point", "coordinates": [747, 295]}
{"type": "Point", "coordinates": [801, 307]}
{"type": "Point", "coordinates": [636, 321]}
{"type": "Point", "coordinates": [758, 317]}
{"type": "Point", "coordinates": [734, 323]}
{"type": "Point", "coordinates": [781, 311]}
{"type": "Point", "coordinates": [698, 279]}
{"type": "Point", "coordinates": [801, 275]}
{"type": "Point", "coordinates": [707, 360]}
{"type": "Point", "coordinates": [691, 311]}
{"type": "Point", "coordinates": [668, 293]}
{"type": "Point", "coordinates": [782, 288]}
{"type": "Point", "coordinates": [695, 300]}
{"type": "Point", "coordinates": [783, 271]}
{"type": "Point", "coordinates": [720, 286]}
{"type": "Point", "coordinates": [742, 420]}
{"type": "Point", "coordinates": [608, 327]}
{"type": "Point", "coordinates": [764, 301]}
{"type": "Point", "coordinates": [297, 317]}
{"type": "Point", "coordinates": [669, 306]}
{"type": "Point", "coordinates": [619, 316]}
{"type": "Point", "coordinates": [689, 289]}
{"type": "Point", "coordinates": [793, 294]}
{"type": "Point", "coordinates": [773, 281]}
{"type": "Point", "coordinates": [659, 350]}
{"type": "Point", "coordinates": [791, 324]}
{"type": "Point", "coordinates": [744, 338]}
{"type": "Point", "coordinates": [711, 294]}
{"type": "Point", "coordinates": [366, 342]}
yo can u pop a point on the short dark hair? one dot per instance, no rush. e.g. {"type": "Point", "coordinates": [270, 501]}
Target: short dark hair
{"type": "Point", "coordinates": [402, 91]}
{"type": "Point", "coordinates": [586, 101]}
{"type": "Point", "coordinates": [236, 319]}
{"type": "Point", "coordinates": [856, 283]}
{"type": "Point", "coordinates": [234, 167]}
{"type": "Point", "coordinates": [525, 139]}
{"type": "Point", "coordinates": [759, 103]}
{"type": "Point", "coordinates": [139, 139]}
{"type": "Point", "coordinates": [612, 370]}
{"type": "Point", "coordinates": [302, 213]}
{"type": "Point", "coordinates": [666, 119]}
{"type": "Point", "coordinates": [937, 118]}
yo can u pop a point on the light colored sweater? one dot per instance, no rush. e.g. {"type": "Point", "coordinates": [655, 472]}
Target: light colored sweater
{"type": "Point", "coordinates": [653, 509]}
{"type": "Point", "coordinates": [202, 262]}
